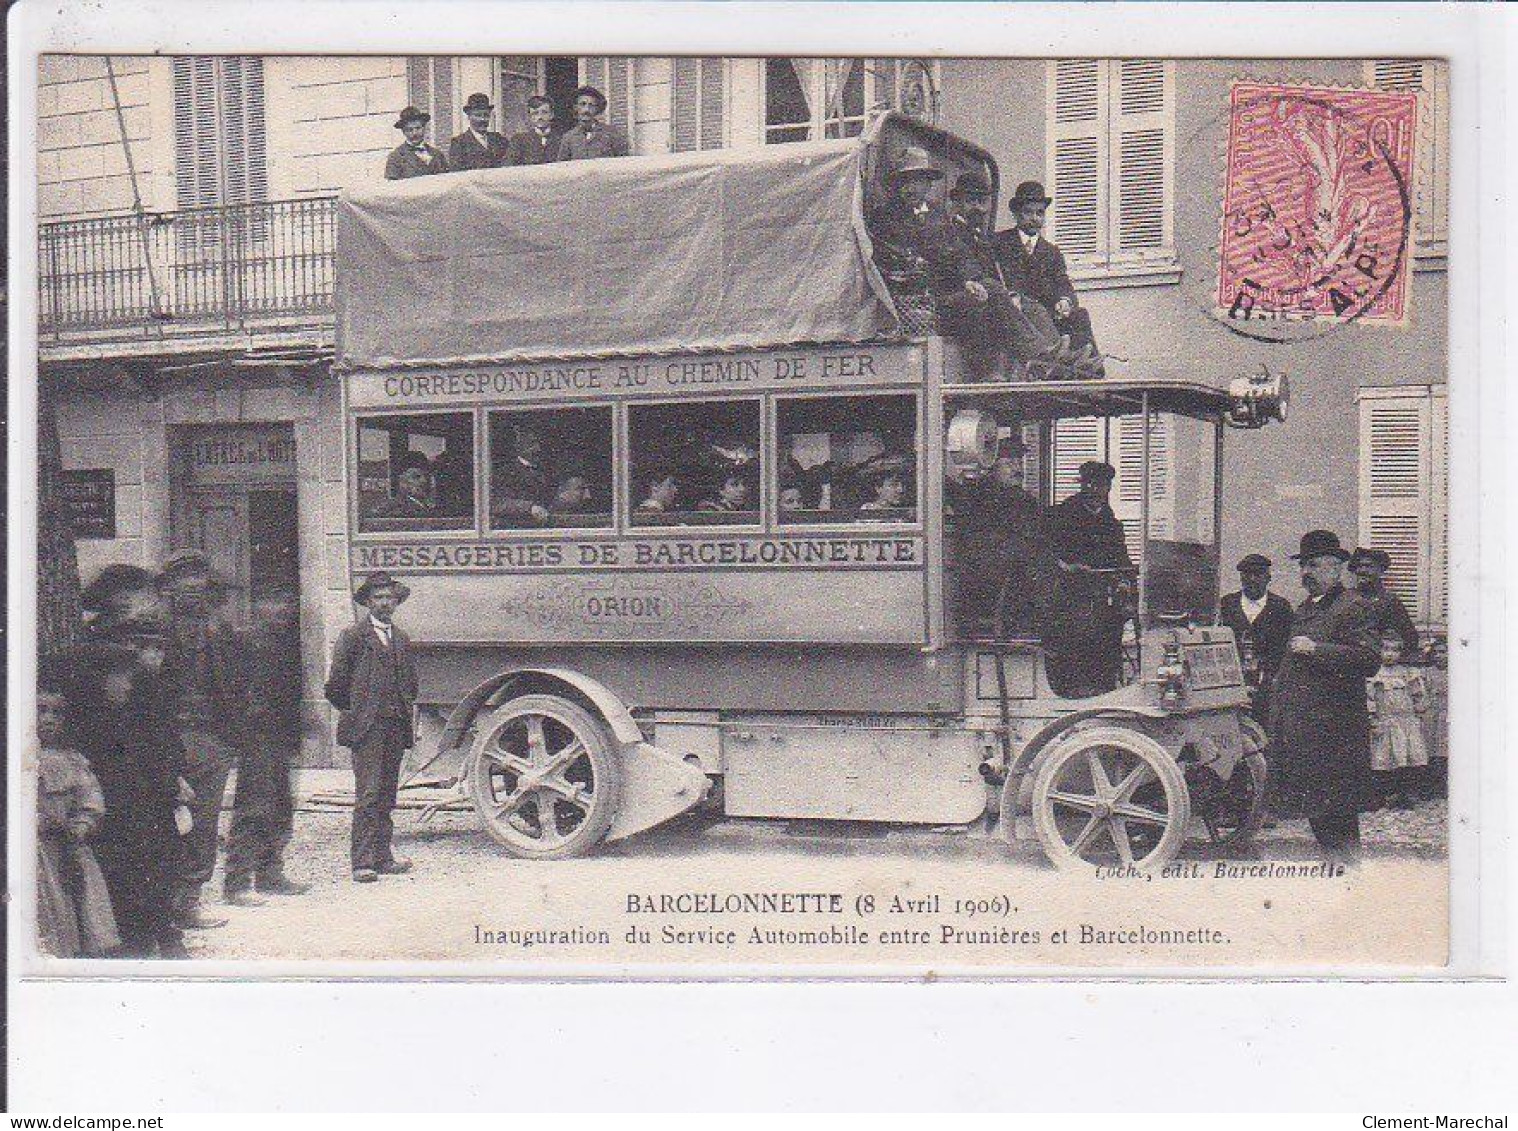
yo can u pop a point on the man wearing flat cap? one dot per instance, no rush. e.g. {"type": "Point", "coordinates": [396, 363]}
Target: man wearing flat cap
{"type": "Point", "coordinates": [373, 683]}
{"type": "Point", "coordinates": [416, 156]}
{"type": "Point", "coordinates": [1083, 636]}
{"type": "Point", "coordinates": [1035, 269]}
{"type": "Point", "coordinates": [207, 669]}
{"type": "Point", "coordinates": [1261, 623]}
{"type": "Point", "coordinates": [1368, 568]}
{"type": "Point", "coordinates": [1319, 726]}
{"type": "Point", "coordinates": [590, 137]}
{"type": "Point", "coordinates": [922, 252]}
{"type": "Point", "coordinates": [478, 147]}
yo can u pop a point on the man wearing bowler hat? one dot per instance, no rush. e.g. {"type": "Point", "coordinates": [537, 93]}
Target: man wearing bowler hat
{"type": "Point", "coordinates": [478, 147]}
{"type": "Point", "coordinates": [416, 156]}
{"type": "Point", "coordinates": [1387, 610]}
{"type": "Point", "coordinates": [1035, 269]}
{"type": "Point", "coordinates": [590, 137]}
{"type": "Point", "coordinates": [1319, 725]}
{"type": "Point", "coordinates": [1261, 623]}
{"type": "Point", "coordinates": [373, 684]}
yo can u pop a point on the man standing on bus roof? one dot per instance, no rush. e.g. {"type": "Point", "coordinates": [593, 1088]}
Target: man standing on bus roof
{"type": "Point", "coordinates": [478, 147]}
{"type": "Point", "coordinates": [414, 157]}
{"type": "Point", "coordinates": [1083, 636]}
{"type": "Point", "coordinates": [539, 143]}
{"type": "Point", "coordinates": [590, 137]}
{"type": "Point", "coordinates": [373, 683]}
{"type": "Point", "coordinates": [1035, 268]}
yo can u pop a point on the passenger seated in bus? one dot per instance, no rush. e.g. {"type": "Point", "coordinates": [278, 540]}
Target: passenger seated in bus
{"type": "Point", "coordinates": [731, 496]}
{"type": "Point", "coordinates": [790, 499]}
{"type": "Point", "coordinates": [921, 255]}
{"type": "Point", "coordinates": [572, 496]}
{"type": "Point", "coordinates": [998, 548]}
{"type": "Point", "coordinates": [662, 493]}
{"type": "Point", "coordinates": [890, 495]}
{"type": "Point", "coordinates": [520, 488]}
{"type": "Point", "coordinates": [414, 494]}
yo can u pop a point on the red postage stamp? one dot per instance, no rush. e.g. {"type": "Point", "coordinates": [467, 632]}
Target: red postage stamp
{"type": "Point", "coordinates": [1317, 205]}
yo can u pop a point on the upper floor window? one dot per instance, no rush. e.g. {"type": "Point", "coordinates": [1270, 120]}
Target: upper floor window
{"type": "Point", "coordinates": [698, 92]}
{"type": "Point", "coordinates": [1430, 78]}
{"type": "Point", "coordinates": [1110, 163]}
{"type": "Point", "coordinates": [812, 99]}
{"type": "Point", "coordinates": [220, 137]}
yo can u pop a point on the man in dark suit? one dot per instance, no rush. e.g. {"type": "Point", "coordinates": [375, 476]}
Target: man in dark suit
{"type": "Point", "coordinates": [590, 137]}
{"type": "Point", "coordinates": [920, 252]}
{"type": "Point", "coordinates": [373, 683]}
{"type": "Point", "coordinates": [1368, 568]}
{"type": "Point", "coordinates": [1319, 724]}
{"type": "Point", "coordinates": [521, 489]}
{"type": "Point", "coordinates": [1261, 624]}
{"type": "Point", "coordinates": [478, 147]}
{"type": "Point", "coordinates": [414, 157]}
{"type": "Point", "coordinates": [1035, 269]}
{"type": "Point", "coordinates": [539, 143]}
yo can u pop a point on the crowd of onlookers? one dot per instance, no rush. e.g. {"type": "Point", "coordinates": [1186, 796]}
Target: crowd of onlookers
{"type": "Point", "coordinates": [480, 147]}
{"type": "Point", "coordinates": [139, 728]}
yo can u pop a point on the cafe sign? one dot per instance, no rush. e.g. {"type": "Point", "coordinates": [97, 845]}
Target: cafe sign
{"type": "Point", "coordinates": [241, 455]}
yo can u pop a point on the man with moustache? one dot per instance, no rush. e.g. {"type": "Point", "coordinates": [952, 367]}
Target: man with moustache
{"type": "Point", "coordinates": [478, 147]}
{"type": "Point", "coordinates": [416, 156]}
{"type": "Point", "coordinates": [1261, 624]}
{"type": "Point", "coordinates": [1319, 723]}
{"type": "Point", "coordinates": [590, 137]}
{"type": "Point", "coordinates": [539, 143]}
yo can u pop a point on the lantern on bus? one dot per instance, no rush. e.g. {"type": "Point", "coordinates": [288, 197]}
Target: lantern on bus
{"type": "Point", "coordinates": [1258, 399]}
{"type": "Point", "coordinates": [971, 442]}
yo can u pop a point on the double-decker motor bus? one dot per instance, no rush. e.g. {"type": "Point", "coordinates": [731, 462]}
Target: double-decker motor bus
{"type": "Point", "coordinates": [666, 467]}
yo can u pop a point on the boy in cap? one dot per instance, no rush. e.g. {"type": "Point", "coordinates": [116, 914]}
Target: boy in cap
{"type": "Point", "coordinates": [416, 156]}
{"type": "Point", "coordinates": [1320, 759]}
{"type": "Point", "coordinates": [1035, 269]}
{"type": "Point", "coordinates": [1261, 623]}
{"type": "Point", "coordinates": [373, 683]}
{"type": "Point", "coordinates": [539, 143]}
{"type": "Point", "coordinates": [1368, 568]}
{"type": "Point", "coordinates": [478, 147]}
{"type": "Point", "coordinates": [590, 137]}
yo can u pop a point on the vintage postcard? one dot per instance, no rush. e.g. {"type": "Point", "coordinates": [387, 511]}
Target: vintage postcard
{"type": "Point", "coordinates": [641, 515]}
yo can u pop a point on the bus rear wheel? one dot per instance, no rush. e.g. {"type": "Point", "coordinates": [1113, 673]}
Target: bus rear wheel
{"type": "Point", "coordinates": [545, 777]}
{"type": "Point", "coordinates": [1110, 796]}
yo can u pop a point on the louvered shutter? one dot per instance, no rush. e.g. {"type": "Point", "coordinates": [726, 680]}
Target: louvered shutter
{"type": "Point", "coordinates": [696, 97]}
{"type": "Point", "coordinates": [1128, 488]}
{"type": "Point", "coordinates": [197, 165]}
{"type": "Point", "coordinates": [244, 130]}
{"type": "Point", "coordinates": [1396, 488]}
{"type": "Point", "coordinates": [1077, 170]}
{"type": "Point", "coordinates": [431, 87]}
{"type": "Point", "coordinates": [1076, 440]}
{"type": "Point", "coordinates": [1438, 525]}
{"type": "Point", "coordinates": [1142, 104]}
{"type": "Point", "coordinates": [1430, 77]}
{"type": "Point", "coordinates": [612, 76]}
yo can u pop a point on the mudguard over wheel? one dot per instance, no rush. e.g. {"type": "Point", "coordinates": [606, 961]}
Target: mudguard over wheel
{"type": "Point", "coordinates": [1110, 796]}
{"type": "Point", "coordinates": [546, 777]}
{"type": "Point", "coordinates": [1234, 810]}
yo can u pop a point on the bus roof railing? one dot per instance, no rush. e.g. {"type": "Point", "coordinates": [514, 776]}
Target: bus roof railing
{"type": "Point", "coordinates": [1108, 396]}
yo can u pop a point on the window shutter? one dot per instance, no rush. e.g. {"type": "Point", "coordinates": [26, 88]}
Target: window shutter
{"type": "Point", "coordinates": [197, 167]}
{"type": "Point", "coordinates": [243, 130]}
{"type": "Point", "coordinates": [696, 104]}
{"type": "Point", "coordinates": [1076, 440]}
{"type": "Point", "coordinates": [1078, 158]}
{"type": "Point", "coordinates": [430, 87]}
{"type": "Point", "coordinates": [1438, 526]}
{"type": "Point", "coordinates": [1396, 487]}
{"type": "Point", "coordinates": [1430, 189]}
{"type": "Point", "coordinates": [1143, 117]}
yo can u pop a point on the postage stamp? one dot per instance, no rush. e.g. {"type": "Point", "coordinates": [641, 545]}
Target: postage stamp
{"type": "Point", "coordinates": [1317, 205]}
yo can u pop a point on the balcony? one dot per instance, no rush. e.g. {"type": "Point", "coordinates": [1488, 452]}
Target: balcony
{"type": "Point", "coordinates": [199, 278]}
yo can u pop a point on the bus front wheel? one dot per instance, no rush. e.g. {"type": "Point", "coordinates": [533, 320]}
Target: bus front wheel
{"type": "Point", "coordinates": [546, 778]}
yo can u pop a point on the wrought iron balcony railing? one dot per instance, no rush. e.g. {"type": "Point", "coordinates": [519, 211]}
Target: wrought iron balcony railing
{"type": "Point", "coordinates": [246, 267]}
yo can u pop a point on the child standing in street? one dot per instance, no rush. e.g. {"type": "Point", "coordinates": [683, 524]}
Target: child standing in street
{"type": "Point", "coordinates": [1398, 698]}
{"type": "Point", "coordinates": [74, 916]}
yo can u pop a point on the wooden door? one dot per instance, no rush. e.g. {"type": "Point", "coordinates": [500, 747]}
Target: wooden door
{"type": "Point", "coordinates": [216, 523]}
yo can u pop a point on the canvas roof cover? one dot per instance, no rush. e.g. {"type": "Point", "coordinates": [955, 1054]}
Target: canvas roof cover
{"type": "Point", "coordinates": [686, 252]}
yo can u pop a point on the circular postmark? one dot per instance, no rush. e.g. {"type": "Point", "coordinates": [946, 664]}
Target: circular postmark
{"type": "Point", "coordinates": [1316, 210]}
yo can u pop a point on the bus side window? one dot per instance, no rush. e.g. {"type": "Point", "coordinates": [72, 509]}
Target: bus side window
{"type": "Point", "coordinates": [694, 464]}
{"type": "Point", "coordinates": [550, 468]}
{"type": "Point", "coordinates": [847, 459]}
{"type": "Point", "coordinates": [416, 472]}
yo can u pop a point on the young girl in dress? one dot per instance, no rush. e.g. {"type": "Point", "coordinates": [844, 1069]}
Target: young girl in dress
{"type": "Point", "coordinates": [74, 915]}
{"type": "Point", "coordinates": [1398, 698]}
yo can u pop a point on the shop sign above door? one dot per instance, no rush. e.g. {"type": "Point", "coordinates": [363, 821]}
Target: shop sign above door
{"type": "Point", "coordinates": [241, 454]}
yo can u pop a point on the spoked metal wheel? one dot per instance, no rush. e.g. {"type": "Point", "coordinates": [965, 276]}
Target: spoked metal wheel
{"type": "Point", "coordinates": [1233, 810]}
{"type": "Point", "coordinates": [545, 777]}
{"type": "Point", "coordinates": [1110, 796]}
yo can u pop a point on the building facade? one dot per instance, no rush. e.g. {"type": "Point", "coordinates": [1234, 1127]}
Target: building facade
{"type": "Point", "coordinates": [186, 228]}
